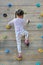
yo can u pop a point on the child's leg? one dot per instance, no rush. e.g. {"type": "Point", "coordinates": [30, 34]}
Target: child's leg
{"type": "Point", "coordinates": [26, 35]}
{"type": "Point", "coordinates": [18, 39]}
{"type": "Point", "coordinates": [26, 38]}
{"type": "Point", "coordinates": [18, 44]}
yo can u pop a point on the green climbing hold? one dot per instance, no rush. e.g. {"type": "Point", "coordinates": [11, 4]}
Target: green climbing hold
{"type": "Point", "coordinates": [39, 25]}
{"type": "Point", "coordinates": [38, 5]}
{"type": "Point", "coordinates": [4, 37]}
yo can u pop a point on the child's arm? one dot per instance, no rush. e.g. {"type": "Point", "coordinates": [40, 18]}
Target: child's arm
{"type": "Point", "coordinates": [11, 22]}
{"type": "Point", "coordinates": [28, 21]}
{"type": "Point", "coordinates": [9, 25]}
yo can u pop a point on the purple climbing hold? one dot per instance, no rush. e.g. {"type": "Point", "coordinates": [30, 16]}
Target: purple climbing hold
{"type": "Point", "coordinates": [5, 15]}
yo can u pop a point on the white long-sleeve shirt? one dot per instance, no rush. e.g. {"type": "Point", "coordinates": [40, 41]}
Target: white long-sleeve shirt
{"type": "Point", "coordinates": [18, 24]}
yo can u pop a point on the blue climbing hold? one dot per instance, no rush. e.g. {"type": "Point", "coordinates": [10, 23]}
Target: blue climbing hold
{"type": "Point", "coordinates": [38, 63]}
{"type": "Point", "coordinates": [38, 5]}
{"type": "Point", "coordinates": [2, 64]}
{"type": "Point", "coordinates": [42, 37]}
{"type": "Point", "coordinates": [39, 25]}
{"type": "Point", "coordinates": [7, 51]}
{"type": "Point", "coordinates": [9, 5]}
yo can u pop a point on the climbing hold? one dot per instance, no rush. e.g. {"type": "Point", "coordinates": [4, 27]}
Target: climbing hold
{"type": "Point", "coordinates": [5, 15]}
{"type": "Point", "coordinates": [5, 36]}
{"type": "Point", "coordinates": [41, 14]}
{"type": "Point", "coordinates": [2, 64]}
{"type": "Point", "coordinates": [39, 25]}
{"type": "Point", "coordinates": [7, 51]}
{"type": "Point", "coordinates": [9, 5]}
{"type": "Point", "coordinates": [42, 37]}
{"type": "Point", "coordinates": [40, 50]}
{"type": "Point", "coordinates": [8, 27]}
{"type": "Point", "coordinates": [38, 5]}
{"type": "Point", "coordinates": [38, 63]}
{"type": "Point", "coordinates": [19, 59]}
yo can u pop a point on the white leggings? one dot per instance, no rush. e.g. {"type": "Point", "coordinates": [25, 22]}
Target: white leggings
{"type": "Point", "coordinates": [18, 39]}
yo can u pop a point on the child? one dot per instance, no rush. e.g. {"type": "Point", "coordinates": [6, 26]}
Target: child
{"type": "Point", "coordinates": [19, 23]}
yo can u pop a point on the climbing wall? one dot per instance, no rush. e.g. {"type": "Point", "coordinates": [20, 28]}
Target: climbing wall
{"type": "Point", "coordinates": [33, 55]}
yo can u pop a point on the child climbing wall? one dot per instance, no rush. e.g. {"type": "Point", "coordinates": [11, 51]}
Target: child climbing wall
{"type": "Point", "coordinates": [19, 24]}
{"type": "Point", "coordinates": [33, 55]}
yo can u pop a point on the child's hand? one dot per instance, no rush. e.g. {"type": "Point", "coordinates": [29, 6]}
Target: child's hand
{"type": "Point", "coordinates": [8, 27]}
{"type": "Point", "coordinates": [28, 21]}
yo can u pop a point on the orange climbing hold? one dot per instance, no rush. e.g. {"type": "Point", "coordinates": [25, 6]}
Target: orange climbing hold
{"type": "Point", "coordinates": [41, 14]}
{"type": "Point", "coordinates": [40, 50]}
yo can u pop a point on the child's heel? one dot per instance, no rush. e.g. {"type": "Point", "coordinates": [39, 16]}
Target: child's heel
{"type": "Point", "coordinates": [19, 58]}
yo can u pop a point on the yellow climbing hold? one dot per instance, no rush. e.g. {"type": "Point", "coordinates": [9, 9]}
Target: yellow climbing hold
{"type": "Point", "coordinates": [8, 27]}
{"type": "Point", "coordinates": [19, 59]}
{"type": "Point", "coordinates": [41, 14]}
{"type": "Point", "coordinates": [40, 50]}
